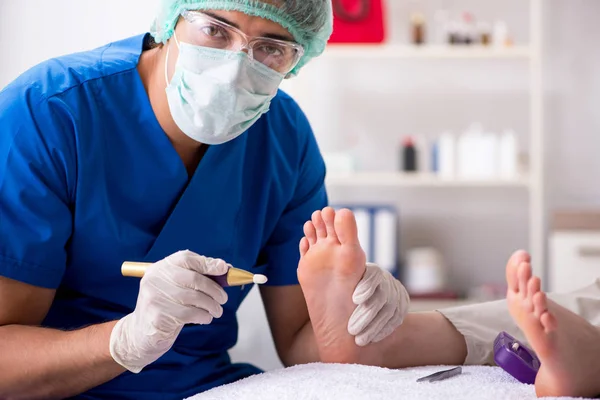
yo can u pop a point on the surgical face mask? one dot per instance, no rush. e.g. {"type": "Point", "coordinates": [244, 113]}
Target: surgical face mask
{"type": "Point", "coordinates": [216, 95]}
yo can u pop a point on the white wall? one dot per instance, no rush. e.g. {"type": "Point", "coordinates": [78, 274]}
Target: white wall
{"type": "Point", "coordinates": [573, 120]}
{"type": "Point", "coordinates": [32, 31]}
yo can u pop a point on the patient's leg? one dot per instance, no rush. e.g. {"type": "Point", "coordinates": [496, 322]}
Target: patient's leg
{"type": "Point", "coordinates": [332, 264]}
{"type": "Point", "coordinates": [568, 346]}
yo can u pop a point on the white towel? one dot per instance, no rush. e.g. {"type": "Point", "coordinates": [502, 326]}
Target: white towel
{"type": "Point", "coordinates": [349, 382]}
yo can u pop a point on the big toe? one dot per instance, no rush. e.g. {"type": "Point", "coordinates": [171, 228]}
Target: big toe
{"type": "Point", "coordinates": [515, 260]}
{"type": "Point", "coordinates": [345, 227]}
{"type": "Point", "coordinates": [520, 256]}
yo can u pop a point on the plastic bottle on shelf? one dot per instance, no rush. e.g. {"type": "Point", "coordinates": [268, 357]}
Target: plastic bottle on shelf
{"type": "Point", "coordinates": [425, 271]}
{"type": "Point", "coordinates": [468, 153]}
{"type": "Point", "coordinates": [409, 155]}
{"type": "Point", "coordinates": [468, 29]}
{"type": "Point", "coordinates": [454, 33]}
{"type": "Point", "coordinates": [484, 33]}
{"type": "Point", "coordinates": [435, 157]}
{"type": "Point", "coordinates": [501, 38]}
{"type": "Point", "coordinates": [462, 155]}
{"type": "Point", "coordinates": [417, 21]}
{"type": "Point", "coordinates": [446, 156]}
{"type": "Point", "coordinates": [508, 157]}
{"type": "Point", "coordinates": [473, 154]}
{"type": "Point", "coordinates": [488, 157]}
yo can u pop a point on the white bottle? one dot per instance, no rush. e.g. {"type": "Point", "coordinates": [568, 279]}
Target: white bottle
{"type": "Point", "coordinates": [507, 154]}
{"type": "Point", "coordinates": [425, 271]}
{"type": "Point", "coordinates": [463, 145]}
{"type": "Point", "coordinates": [488, 157]}
{"type": "Point", "coordinates": [469, 152]}
{"type": "Point", "coordinates": [446, 156]}
{"type": "Point", "coordinates": [500, 34]}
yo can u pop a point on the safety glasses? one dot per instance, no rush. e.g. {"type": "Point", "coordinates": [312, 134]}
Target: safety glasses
{"type": "Point", "coordinates": [279, 55]}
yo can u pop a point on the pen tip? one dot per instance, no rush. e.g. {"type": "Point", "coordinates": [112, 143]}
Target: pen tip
{"type": "Point", "coordinates": [259, 279]}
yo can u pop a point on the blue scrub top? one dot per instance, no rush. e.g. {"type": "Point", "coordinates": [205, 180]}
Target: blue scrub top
{"type": "Point", "coordinates": [88, 179]}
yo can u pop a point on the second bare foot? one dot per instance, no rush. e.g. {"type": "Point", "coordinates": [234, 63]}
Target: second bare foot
{"type": "Point", "coordinates": [566, 344]}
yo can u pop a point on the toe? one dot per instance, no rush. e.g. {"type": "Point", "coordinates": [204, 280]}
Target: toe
{"type": "Point", "coordinates": [540, 305]}
{"type": "Point", "coordinates": [519, 257]}
{"type": "Point", "coordinates": [515, 260]}
{"type": "Point", "coordinates": [304, 246]}
{"type": "Point", "coordinates": [511, 277]}
{"type": "Point", "coordinates": [548, 321]}
{"type": "Point", "coordinates": [523, 275]}
{"type": "Point", "coordinates": [328, 215]}
{"type": "Point", "coordinates": [533, 286]}
{"type": "Point", "coordinates": [345, 227]}
{"type": "Point", "coordinates": [310, 232]}
{"type": "Point", "coordinates": [317, 220]}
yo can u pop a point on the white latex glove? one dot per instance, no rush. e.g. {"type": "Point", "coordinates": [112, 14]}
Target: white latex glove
{"type": "Point", "coordinates": [173, 292]}
{"type": "Point", "coordinates": [382, 303]}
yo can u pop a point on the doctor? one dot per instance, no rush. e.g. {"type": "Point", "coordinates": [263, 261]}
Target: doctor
{"type": "Point", "coordinates": [174, 148]}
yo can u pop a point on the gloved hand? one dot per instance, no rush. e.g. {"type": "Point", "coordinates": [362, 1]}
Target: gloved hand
{"type": "Point", "coordinates": [382, 303]}
{"type": "Point", "coordinates": [173, 292]}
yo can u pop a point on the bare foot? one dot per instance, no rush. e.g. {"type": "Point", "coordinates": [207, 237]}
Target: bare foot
{"type": "Point", "coordinates": [331, 266]}
{"type": "Point", "coordinates": [566, 344]}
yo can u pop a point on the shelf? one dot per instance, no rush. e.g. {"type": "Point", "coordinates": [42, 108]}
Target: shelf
{"type": "Point", "coordinates": [398, 179]}
{"type": "Point", "coordinates": [392, 51]}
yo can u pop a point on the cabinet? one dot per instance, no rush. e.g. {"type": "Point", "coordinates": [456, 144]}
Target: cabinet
{"type": "Point", "coordinates": [574, 259]}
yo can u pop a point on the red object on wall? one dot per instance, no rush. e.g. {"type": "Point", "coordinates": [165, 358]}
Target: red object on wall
{"type": "Point", "coordinates": [358, 21]}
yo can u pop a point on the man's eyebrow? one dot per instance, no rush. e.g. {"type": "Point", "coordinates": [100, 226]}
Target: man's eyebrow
{"type": "Point", "coordinates": [285, 38]}
{"type": "Point", "coordinates": [277, 36]}
{"type": "Point", "coordinates": [215, 16]}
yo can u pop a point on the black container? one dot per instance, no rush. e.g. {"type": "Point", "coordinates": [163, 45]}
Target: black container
{"type": "Point", "coordinates": [409, 156]}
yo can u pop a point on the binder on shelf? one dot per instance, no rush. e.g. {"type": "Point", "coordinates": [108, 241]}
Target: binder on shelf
{"type": "Point", "coordinates": [385, 239]}
{"type": "Point", "coordinates": [363, 222]}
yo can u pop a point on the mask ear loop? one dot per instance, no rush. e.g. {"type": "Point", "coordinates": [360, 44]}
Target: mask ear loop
{"type": "Point", "coordinates": [167, 57]}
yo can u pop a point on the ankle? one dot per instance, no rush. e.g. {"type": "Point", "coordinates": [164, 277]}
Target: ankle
{"type": "Point", "coordinates": [388, 352]}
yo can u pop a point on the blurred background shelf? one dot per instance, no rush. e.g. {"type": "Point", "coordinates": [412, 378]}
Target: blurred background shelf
{"type": "Point", "coordinates": [392, 51]}
{"type": "Point", "coordinates": [364, 100]}
{"type": "Point", "coordinates": [399, 179]}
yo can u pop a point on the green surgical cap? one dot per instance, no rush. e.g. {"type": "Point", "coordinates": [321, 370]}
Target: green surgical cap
{"type": "Point", "coordinates": [309, 21]}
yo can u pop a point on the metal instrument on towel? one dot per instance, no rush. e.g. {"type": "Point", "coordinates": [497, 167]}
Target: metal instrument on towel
{"type": "Point", "coordinates": [441, 375]}
{"type": "Point", "coordinates": [516, 358]}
